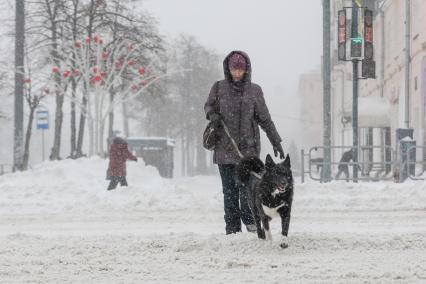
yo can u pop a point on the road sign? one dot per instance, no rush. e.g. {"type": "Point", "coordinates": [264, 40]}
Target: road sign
{"type": "Point", "coordinates": [368, 69]}
{"type": "Point", "coordinates": [42, 119]}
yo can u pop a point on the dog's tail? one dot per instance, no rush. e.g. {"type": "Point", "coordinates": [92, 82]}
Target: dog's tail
{"type": "Point", "coordinates": [247, 165]}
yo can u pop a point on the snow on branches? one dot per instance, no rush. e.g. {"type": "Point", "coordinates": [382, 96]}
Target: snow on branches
{"type": "Point", "coordinates": [103, 68]}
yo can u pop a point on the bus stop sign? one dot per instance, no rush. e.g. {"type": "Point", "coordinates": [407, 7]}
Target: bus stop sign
{"type": "Point", "coordinates": [42, 119]}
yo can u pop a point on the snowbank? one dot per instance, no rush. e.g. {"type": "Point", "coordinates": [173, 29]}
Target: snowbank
{"type": "Point", "coordinates": [365, 196]}
{"type": "Point", "coordinates": [80, 186]}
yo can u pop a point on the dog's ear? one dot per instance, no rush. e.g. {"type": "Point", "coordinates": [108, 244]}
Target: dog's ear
{"type": "Point", "coordinates": [286, 162]}
{"type": "Point", "coordinates": [269, 162]}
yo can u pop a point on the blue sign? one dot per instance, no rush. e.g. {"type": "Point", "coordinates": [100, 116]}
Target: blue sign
{"type": "Point", "coordinates": [42, 119]}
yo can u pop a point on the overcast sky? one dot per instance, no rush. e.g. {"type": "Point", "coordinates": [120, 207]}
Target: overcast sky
{"type": "Point", "coordinates": [283, 38]}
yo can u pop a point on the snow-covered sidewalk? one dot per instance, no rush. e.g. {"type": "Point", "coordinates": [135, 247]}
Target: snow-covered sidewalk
{"type": "Point", "coordinates": [58, 224]}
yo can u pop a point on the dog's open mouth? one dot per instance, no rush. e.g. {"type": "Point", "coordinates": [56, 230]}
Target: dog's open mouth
{"type": "Point", "coordinates": [278, 190]}
{"type": "Point", "coordinates": [281, 189]}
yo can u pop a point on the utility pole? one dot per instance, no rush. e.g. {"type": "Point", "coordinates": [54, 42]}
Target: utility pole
{"type": "Point", "coordinates": [407, 64]}
{"type": "Point", "coordinates": [19, 85]}
{"type": "Point", "coordinates": [326, 173]}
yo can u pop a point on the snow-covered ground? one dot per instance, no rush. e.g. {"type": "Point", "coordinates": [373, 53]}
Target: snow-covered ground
{"type": "Point", "coordinates": [58, 224]}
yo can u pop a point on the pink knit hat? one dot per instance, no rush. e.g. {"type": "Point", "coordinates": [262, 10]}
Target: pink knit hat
{"type": "Point", "coordinates": [237, 61]}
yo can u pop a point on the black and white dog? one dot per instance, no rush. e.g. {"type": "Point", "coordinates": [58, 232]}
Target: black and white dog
{"type": "Point", "coordinates": [270, 192]}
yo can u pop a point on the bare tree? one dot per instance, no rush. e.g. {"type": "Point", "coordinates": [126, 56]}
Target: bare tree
{"type": "Point", "coordinates": [178, 113]}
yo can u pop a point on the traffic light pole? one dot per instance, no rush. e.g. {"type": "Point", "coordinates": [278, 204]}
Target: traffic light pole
{"type": "Point", "coordinates": [355, 118]}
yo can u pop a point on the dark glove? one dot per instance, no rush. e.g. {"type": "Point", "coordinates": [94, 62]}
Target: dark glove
{"type": "Point", "coordinates": [215, 118]}
{"type": "Point", "coordinates": [279, 149]}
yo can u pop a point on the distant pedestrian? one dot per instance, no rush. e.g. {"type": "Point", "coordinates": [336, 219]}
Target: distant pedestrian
{"type": "Point", "coordinates": [343, 166]}
{"type": "Point", "coordinates": [118, 155]}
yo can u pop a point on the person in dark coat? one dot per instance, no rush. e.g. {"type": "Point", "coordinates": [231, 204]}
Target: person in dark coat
{"type": "Point", "coordinates": [240, 104]}
{"type": "Point", "coordinates": [343, 167]}
{"type": "Point", "coordinates": [118, 155]}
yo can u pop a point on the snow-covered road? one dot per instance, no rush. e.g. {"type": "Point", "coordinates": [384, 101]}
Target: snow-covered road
{"type": "Point", "coordinates": [173, 246]}
{"type": "Point", "coordinates": [67, 230]}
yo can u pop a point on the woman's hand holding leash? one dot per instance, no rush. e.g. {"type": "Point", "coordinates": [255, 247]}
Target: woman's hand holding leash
{"type": "Point", "coordinates": [278, 149]}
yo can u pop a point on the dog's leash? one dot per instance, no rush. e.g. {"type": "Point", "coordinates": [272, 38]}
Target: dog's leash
{"type": "Point", "coordinates": [237, 149]}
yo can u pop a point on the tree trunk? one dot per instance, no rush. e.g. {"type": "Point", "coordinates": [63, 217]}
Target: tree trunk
{"type": "Point", "coordinates": [183, 155]}
{"type": "Point", "coordinates": [75, 34]}
{"type": "Point", "coordinates": [19, 84]}
{"type": "Point", "coordinates": [27, 139]}
{"type": "Point", "coordinates": [125, 120]}
{"type": "Point", "coordinates": [97, 118]}
{"type": "Point", "coordinates": [101, 138]}
{"type": "Point", "coordinates": [110, 118]}
{"type": "Point", "coordinates": [82, 125]}
{"type": "Point", "coordinates": [188, 154]}
{"type": "Point", "coordinates": [55, 154]}
{"type": "Point", "coordinates": [73, 119]}
{"type": "Point", "coordinates": [84, 109]}
{"type": "Point", "coordinates": [91, 137]}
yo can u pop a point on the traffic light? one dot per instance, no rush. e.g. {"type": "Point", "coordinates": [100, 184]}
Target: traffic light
{"type": "Point", "coordinates": [341, 50]}
{"type": "Point", "coordinates": [368, 64]}
{"type": "Point", "coordinates": [368, 35]}
{"type": "Point", "coordinates": [356, 39]}
{"type": "Point", "coordinates": [356, 47]}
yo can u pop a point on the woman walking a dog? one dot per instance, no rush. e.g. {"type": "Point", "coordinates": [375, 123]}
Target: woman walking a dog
{"type": "Point", "coordinates": [240, 104]}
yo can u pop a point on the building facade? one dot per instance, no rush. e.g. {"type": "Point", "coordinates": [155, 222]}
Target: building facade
{"type": "Point", "coordinates": [310, 92]}
{"type": "Point", "coordinates": [382, 101]}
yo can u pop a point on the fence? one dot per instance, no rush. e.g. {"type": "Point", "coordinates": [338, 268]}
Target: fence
{"type": "Point", "coordinates": [374, 162]}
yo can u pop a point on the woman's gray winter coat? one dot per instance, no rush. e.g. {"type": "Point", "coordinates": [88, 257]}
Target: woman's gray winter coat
{"type": "Point", "coordinates": [242, 109]}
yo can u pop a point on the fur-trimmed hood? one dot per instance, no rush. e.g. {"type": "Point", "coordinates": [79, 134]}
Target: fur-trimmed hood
{"type": "Point", "coordinates": [247, 75]}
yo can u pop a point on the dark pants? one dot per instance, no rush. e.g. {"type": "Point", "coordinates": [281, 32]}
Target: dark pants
{"type": "Point", "coordinates": [235, 201]}
{"type": "Point", "coordinates": [115, 180]}
{"type": "Point", "coordinates": [343, 169]}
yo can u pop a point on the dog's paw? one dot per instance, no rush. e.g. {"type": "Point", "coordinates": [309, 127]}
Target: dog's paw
{"type": "Point", "coordinates": [261, 234]}
{"type": "Point", "coordinates": [268, 235]}
{"type": "Point", "coordinates": [284, 242]}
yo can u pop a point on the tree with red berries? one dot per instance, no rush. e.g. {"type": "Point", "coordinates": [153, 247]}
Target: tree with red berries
{"type": "Point", "coordinates": [104, 68]}
{"type": "Point", "coordinates": [56, 26]}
